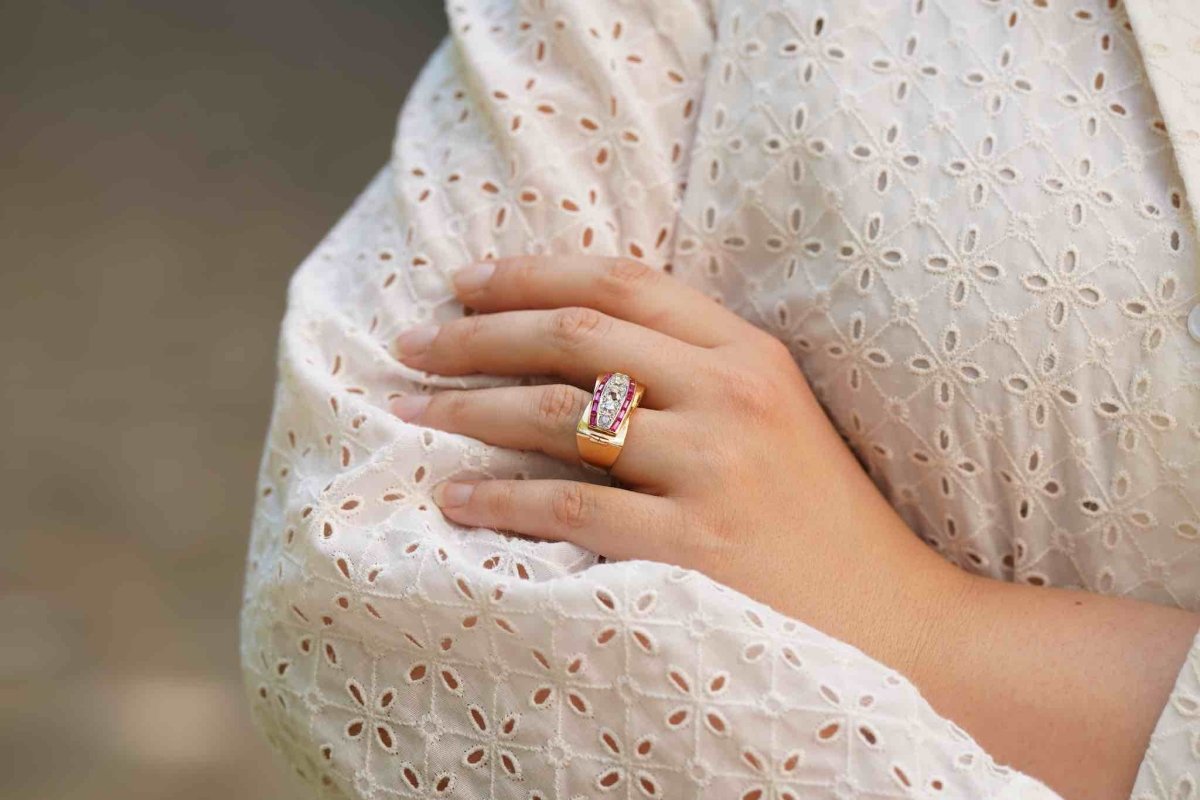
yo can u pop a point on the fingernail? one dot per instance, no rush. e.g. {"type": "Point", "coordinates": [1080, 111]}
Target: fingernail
{"type": "Point", "coordinates": [410, 406]}
{"type": "Point", "coordinates": [473, 276]}
{"type": "Point", "coordinates": [451, 494]}
{"type": "Point", "coordinates": [416, 340]}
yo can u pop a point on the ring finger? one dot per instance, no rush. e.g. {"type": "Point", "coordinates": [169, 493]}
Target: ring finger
{"type": "Point", "coordinates": [543, 418]}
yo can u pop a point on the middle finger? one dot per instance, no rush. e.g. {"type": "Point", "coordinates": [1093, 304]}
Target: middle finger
{"type": "Point", "coordinates": [573, 343]}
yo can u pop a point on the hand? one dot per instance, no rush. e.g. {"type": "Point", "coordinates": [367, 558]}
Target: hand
{"type": "Point", "coordinates": [731, 466]}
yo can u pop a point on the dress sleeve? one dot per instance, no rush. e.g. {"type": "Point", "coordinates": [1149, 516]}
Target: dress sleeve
{"type": "Point", "coordinates": [389, 653]}
{"type": "Point", "coordinates": [1171, 766]}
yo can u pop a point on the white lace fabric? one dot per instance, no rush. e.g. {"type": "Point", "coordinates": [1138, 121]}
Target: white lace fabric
{"type": "Point", "coordinates": [967, 221]}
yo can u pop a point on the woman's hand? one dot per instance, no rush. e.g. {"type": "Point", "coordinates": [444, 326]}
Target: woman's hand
{"type": "Point", "coordinates": [732, 467]}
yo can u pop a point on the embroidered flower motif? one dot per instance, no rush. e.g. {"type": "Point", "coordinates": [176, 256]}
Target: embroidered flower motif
{"type": "Point", "coordinates": [522, 105]}
{"type": "Point", "coordinates": [371, 715]}
{"type": "Point", "coordinates": [563, 682]}
{"type": "Point", "coordinates": [770, 641]}
{"type": "Point", "coordinates": [359, 583]}
{"type": "Point", "coordinates": [982, 171]}
{"type": "Point", "coordinates": [1028, 479]}
{"type": "Point", "coordinates": [906, 68]}
{"type": "Point", "coordinates": [716, 140]}
{"type": "Point", "coordinates": [867, 254]}
{"type": "Point", "coordinates": [857, 350]}
{"type": "Point", "coordinates": [1117, 513]}
{"type": "Point", "coordinates": [484, 606]}
{"type": "Point", "coordinates": [702, 701]}
{"type": "Point", "coordinates": [504, 200]}
{"type": "Point", "coordinates": [1096, 99]}
{"type": "Point", "coordinates": [775, 777]}
{"type": "Point", "coordinates": [620, 764]}
{"type": "Point", "coordinates": [793, 143]}
{"type": "Point", "coordinates": [618, 621]}
{"type": "Point", "coordinates": [885, 155]}
{"type": "Point", "coordinates": [1044, 388]}
{"type": "Point", "coordinates": [1157, 312]}
{"type": "Point", "coordinates": [965, 268]}
{"type": "Point", "coordinates": [795, 240]}
{"type": "Point", "coordinates": [608, 134]}
{"type": "Point", "coordinates": [950, 369]}
{"type": "Point", "coordinates": [811, 45]}
{"type": "Point", "coordinates": [946, 460]}
{"type": "Point", "coordinates": [1065, 287]}
{"type": "Point", "coordinates": [849, 719]}
{"type": "Point", "coordinates": [592, 219]}
{"type": "Point", "coordinates": [510, 559]}
{"type": "Point", "coordinates": [1168, 207]}
{"type": "Point", "coordinates": [493, 743]}
{"type": "Point", "coordinates": [1000, 82]}
{"type": "Point", "coordinates": [1135, 413]}
{"type": "Point", "coordinates": [1080, 190]}
{"type": "Point", "coordinates": [436, 663]}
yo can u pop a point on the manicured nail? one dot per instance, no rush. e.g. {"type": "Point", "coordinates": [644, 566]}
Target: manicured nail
{"type": "Point", "coordinates": [416, 340]}
{"type": "Point", "coordinates": [452, 494]}
{"type": "Point", "coordinates": [410, 406]}
{"type": "Point", "coordinates": [473, 276]}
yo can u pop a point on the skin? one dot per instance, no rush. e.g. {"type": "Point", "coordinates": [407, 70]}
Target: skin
{"type": "Point", "coordinates": [1063, 685]}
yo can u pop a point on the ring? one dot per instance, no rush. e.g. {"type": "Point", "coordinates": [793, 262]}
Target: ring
{"type": "Point", "coordinates": [600, 434]}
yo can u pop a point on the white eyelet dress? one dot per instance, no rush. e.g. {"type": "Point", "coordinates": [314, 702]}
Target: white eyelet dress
{"type": "Point", "coordinates": [970, 222]}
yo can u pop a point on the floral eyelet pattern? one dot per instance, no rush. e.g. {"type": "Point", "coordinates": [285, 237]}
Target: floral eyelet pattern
{"type": "Point", "coordinates": [968, 220]}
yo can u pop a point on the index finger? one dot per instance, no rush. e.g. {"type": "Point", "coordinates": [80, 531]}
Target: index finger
{"type": "Point", "coordinates": [619, 287]}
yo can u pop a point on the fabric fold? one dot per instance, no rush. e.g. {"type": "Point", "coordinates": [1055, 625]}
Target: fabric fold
{"type": "Point", "coordinates": [1168, 35]}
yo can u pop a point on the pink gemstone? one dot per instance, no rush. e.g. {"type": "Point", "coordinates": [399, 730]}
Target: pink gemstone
{"type": "Point", "coordinates": [599, 394]}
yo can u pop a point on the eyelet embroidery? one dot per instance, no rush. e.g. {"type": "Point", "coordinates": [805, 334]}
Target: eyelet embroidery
{"type": "Point", "coordinates": [989, 299]}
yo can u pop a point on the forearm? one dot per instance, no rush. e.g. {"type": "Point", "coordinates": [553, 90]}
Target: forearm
{"type": "Point", "coordinates": [1064, 685]}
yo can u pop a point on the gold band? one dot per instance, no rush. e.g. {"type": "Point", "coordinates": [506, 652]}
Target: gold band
{"type": "Point", "coordinates": [600, 434]}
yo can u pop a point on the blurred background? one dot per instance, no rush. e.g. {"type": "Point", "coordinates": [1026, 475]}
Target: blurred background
{"type": "Point", "coordinates": [165, 167]}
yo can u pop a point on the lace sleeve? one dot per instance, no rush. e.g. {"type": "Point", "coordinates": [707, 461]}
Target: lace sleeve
{"type": "Point", "coordinates": [391, 654]}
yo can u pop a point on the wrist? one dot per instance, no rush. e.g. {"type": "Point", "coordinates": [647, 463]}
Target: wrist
{"type": "Point", "coordinates": [884, 590]}
{"type": "Point", "coordinates": [949, 610]}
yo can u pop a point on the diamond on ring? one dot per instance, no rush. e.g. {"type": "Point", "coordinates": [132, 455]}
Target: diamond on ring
{"type": "Point", "coordinates": [601, 431]}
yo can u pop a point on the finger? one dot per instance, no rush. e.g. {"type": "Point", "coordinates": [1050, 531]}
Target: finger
{"type": "Point", "coordinates": [619, 287]}
{"type": "Point", "coordinates": [613, 522]}
{"type": "Point", "coordinates": [543, 418]}
{"type": "Point", "coordinates": [574, 343]}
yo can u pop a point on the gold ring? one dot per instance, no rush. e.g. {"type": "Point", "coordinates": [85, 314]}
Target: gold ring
{"type": "Point", "coordinates": [600, 434]}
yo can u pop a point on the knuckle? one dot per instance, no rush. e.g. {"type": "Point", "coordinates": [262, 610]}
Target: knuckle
{"type": "Point", "coordinates": [522, 273]}
{"type": "Point", "coordinates": [569, 505]}
{"type": "Point", "coordinates": [622, 278]}
{"type": "Point", "coordinates": [557, 406]}
{"type": "Point", "coordinates": [748, 394]}
{"type": "Point", "coordinates": [774, 348]}
{"type": "Point", "coordinates": [679, 532]}
{"type": "Point", "coordinates": [502, 500]}
{"type": "Point", "coordinates": [777, 356]}
{"type": "Point", "coordinates": [716, 538]}
{"type": "Point", "coordinates": [575, 325]}
{"type": "Point", "coordinates": [468, 329]}
{"type": "Point", "coordinates": [451, 406]}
